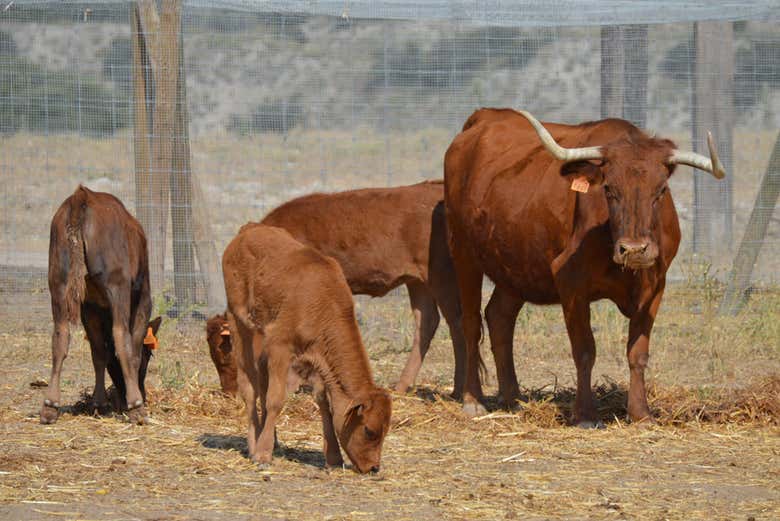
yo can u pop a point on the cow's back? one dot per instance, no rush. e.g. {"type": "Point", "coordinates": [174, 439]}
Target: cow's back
{"type": "Point", "coordinates": [381, 237]}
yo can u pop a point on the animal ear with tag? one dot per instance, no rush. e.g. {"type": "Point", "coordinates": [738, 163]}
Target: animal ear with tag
{"type": "Point", "coordinates": [583, 174]}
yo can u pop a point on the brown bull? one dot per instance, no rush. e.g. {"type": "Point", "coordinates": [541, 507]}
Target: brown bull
{"type": "Point", "coordinates": [98, 272]}
{"type": "Point", "coordinates": [561, 214]}
{"type": "Point", "coordinates": [383, 238]}
{"type": "Point", "coordinates": [291, 312]}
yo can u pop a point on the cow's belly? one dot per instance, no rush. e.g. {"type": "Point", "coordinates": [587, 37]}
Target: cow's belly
{"type": "Point", "coordinates": [520, 266]}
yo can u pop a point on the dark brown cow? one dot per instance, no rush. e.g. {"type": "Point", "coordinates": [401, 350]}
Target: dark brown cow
{"type": "Point", "coordinates": [221, 350]}
{"type": "Point", "coordinates": [291, 312]}
{"type": "Point", "coordinates": [382, 238]}
{"type": "Point", "coordinates": [98, 271]}
{"type": "Point", "coordinates": [514, 215]}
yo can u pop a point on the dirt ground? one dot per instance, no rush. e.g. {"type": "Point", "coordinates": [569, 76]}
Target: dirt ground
{"type": "Point", "coordinates": [715, 453]}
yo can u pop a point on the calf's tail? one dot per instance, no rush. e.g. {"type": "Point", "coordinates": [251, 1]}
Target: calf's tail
{"type": "Point", "coordinates": [76, 285]}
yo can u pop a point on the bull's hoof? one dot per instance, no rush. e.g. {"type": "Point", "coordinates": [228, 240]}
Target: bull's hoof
{"type": "Point", "coordinates": [336, 465]}
{"type": "Point", "coordinates": [591, 424]}
{"type": "Point", "coordinates": [510, 404]}
{"type": "Point", "coordinates": [50, 411]}
{"type": "Point", "coordinates": [101, 409]}
{"type": "Point", "coordinates": [138, 415]}
{"type": "Point", "coordinates": [474, 409]}
{"type": "Point", "coordinates": [402, 388]}
{"type": "Point", "coordinates": [456, 395]}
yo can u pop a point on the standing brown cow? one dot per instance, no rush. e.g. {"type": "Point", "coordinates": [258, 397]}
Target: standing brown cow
{"type": "Point", "coordinates": [383, 238]}
{"type": "Point", "coordinates": [99, 272]}
{"type": "Point", "coordinates": [221, 351]}
{"type": "Point", "coordinates": [551, 225]}
{"type": "Point", "coordinates": [291, 312]}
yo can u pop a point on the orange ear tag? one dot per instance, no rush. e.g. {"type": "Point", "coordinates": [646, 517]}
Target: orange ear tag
{"type": "Point", "coordinates": [580, 184]}
{"type": "Point", "coordinates": [151, 340]}
{"type": "Point", "coordinates": [225, 332]}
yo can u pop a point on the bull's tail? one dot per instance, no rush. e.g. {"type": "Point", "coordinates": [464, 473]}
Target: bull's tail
{"type": "Point", "coordinates": [76, 285]}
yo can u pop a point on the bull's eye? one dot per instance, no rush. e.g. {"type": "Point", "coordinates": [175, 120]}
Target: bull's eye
{"type": "Point", "coordinates": [370, 435]}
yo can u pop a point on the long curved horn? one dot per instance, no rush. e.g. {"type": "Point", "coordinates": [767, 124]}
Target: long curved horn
{"type": "Point", "coordinates": [560, 153]}
{"type": "Point", "coordinates": [714, 166]}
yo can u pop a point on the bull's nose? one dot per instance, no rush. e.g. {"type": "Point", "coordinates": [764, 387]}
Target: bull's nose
{"type": "Point", "coordinates": [374, 469]}
{"type": "Point", "coordinates": [631, 247]}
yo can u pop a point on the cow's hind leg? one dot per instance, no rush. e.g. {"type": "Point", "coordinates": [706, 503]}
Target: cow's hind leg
{"type": "Point", "coordinates": [470, 287]}
{"type": "Point", "coordinates": [583, 347]}
{"type": "Point", "coordinates": [60, 340]}
{"type": "Point", "coordinates": [426, 320]}
{"type": "Point", "coordinates": [91, 318]}
{"type": "Point", "coordinates": [277, 364]}
{"type": "Point", "coordinates": [129, 355]}
{"type": "Point", "coordinates": [501, 316]}
{"type": "Point", "coordinates": [331, 449]}
{"type": "Point", "coordinates": [446, 294]}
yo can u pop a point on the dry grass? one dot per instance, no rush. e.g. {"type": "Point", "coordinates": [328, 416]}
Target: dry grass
{"type": "Point", "coordinates": [713, 454]}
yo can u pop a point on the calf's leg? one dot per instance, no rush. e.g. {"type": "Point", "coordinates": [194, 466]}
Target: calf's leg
{"type": "Point", "coordinates": [330, 440]}
{"type": "Point", "coordinates": [501, 316]}
{"type": "Point", "coordinates": [129, 355]}
{"type": "Point", "coordinates": [60, 340]}
{"type": "Point", "coordinates": [92, 320]}
{"type": "Point", "coordinates": [247, 378]}
{"type": "Point", "coordinates": [426, 320]}
{"type": "Point", "coordinates": [277, 365]}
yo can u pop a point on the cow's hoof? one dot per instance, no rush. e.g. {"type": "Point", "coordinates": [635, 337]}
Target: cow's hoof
{"type": "Point", "coordinates": [591, 424]}
{"type": "Point", "coordinates": [474, 409]}
{"type": "Point", "coordinates": [511, 404]}
{"type": "Point", "coordinates": [644, 422]}
{"type": "Point", "coordinates": [402, 388]}
{"type": "Point", "coordinates": [336, 464]}
{"type": "Point", "coordinates": [138, 415]}
{"type": "Point", "coordinates": [263, 466]}
{"type": "Point", "coordinates": [50, 411]}
{"type": "Point", "coordinates": [101, 409]}
{"type": "Point", "coordinates": [456, 395]}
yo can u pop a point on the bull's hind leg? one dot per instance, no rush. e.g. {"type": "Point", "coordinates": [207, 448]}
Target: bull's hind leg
{"type": "Point", "coordinates": [469, 278]}
{"type": "Point", "coordinates": [129, 354]}
{"type": "Point", "coordinates": [501, 316]}
{"type": "Point", "coordinates": [426, 320]}
{"type": "Point", "coordinates": [583, 348]}
{"type": "Point", "coordinates": [446, 294]}
{"type": "Point", "coordinates": [93, 325]}
{"type": "Point", "coordinates": [60, 340]}
{"type": "Point", "coordinates": [331, 449]}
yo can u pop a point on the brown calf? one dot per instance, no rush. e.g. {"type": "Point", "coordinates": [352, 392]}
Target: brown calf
{"type": "Point", "coordinates": [221, 350]}
{"type": "Point", "coordinates": [290, 310]}
{"type": "Point", "coordinates": [98, 271]}
{"type": "Point", "coordinates": [383, 238]}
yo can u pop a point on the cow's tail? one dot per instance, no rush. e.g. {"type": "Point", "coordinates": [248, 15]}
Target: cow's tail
{"type": "Point", "coordinates": [76, 285]}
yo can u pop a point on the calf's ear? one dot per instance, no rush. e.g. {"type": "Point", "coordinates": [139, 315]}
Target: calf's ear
{"type": "Point", "coordinates": [589, 170]}
{"type": "Point", "coordinates": [155, 324]}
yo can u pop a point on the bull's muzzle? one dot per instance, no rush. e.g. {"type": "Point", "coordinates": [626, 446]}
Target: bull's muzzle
{"type": "Point", "coordinates": [635, 254]}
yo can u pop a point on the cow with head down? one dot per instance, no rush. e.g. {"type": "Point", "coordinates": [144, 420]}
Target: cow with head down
{"type": "Point", "coordinates": [221, 351]}
{"type": "Point", "coordinates": [561, 214]}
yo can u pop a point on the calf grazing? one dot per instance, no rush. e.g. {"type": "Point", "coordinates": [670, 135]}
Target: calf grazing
{"type": "Point", "coordinates": [98, 271]}
{"type": "Point", "coordinates": [221, 350]}
{"type": "Point", "coordinates": [290, 310]}
{"type": "Point", "coordinates": [564, 214]}
{"type": "Point", "coordinates": [383, 238]}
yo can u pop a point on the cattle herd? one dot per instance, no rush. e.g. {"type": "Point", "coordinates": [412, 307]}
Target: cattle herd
{"type": "Point", "coordinates": [551, 213]}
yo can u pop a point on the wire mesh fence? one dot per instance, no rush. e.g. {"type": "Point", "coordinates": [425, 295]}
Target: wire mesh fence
{"type": "Point", "coordinates": [288, 98]}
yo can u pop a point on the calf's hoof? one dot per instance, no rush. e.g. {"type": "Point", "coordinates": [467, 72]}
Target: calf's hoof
{"type": "Point", "coordinates": [590, 424]}
{"type": "Point", "coordinates": [474, 409]}
{"type": "Point", "coordinates": [101, 409]}
{"type": "Point", "coordinates": [138, 414]}
{"type": "Point", "coordinates": [402, 388]}
{"type": "Point", "coordinates": [50, 411]}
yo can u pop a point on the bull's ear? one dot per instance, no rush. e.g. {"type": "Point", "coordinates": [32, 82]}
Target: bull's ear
{"type": "Point", "coordinates": [590, 170]}
{"type": "Point", "coordinates": [155, 324]}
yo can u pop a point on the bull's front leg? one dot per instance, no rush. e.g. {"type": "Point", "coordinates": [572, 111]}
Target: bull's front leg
{"type": "Point", "coordinates": [60, 340]}
{"type": "Point", "coordinates": [638, 348]}
{"type": "Point", "coordinates": [583, 349]}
